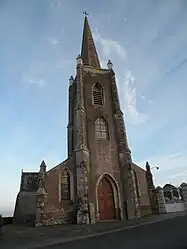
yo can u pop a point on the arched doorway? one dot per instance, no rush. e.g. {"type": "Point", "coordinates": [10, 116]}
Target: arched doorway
{"type": "Point", "coordinates": [106, 202]}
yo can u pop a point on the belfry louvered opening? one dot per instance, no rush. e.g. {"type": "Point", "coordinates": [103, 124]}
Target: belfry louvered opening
{"type": "Point", "coordinates": [97, 94]}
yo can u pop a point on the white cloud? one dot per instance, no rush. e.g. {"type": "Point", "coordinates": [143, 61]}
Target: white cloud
{"type": "Point", "coordinates": [55, 3]}
{"type": "Point", "coordinates": [35, 75]}
{"type": "Point", "coordinates": [128, 91]}
{"type": "Point", "coordinates": [53, 40]}
{"type": "Point", "coordinates": [144, 99]}
{"type": "Point", "coordinates": [39, 82]}
{"type": "Point", "coordinates": [129, 99]}
{"type": "Point", "coordinates": [110, 47]}
{"type": "Point", "coordinates": [128, 94]}
{"type": "Point", "coordinates": [32, 80]}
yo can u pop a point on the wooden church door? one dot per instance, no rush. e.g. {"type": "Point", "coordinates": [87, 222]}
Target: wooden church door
{"type": "Point", "coordinates": [106, 200]}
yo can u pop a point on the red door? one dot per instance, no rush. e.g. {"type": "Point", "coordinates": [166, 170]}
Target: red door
{"type": "Point", "coordinates": [106, 201]}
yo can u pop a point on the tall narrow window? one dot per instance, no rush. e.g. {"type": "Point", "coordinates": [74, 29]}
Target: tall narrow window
{"type": "Point", "coordinates": [65, 185]}
{"type": "Point", "coordinates": [97, 94]}
{"type": "Point", "coordinates": [101, 129]}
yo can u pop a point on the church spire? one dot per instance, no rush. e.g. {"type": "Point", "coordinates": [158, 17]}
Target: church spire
{"type": "Point", "coordinates": [88, 52]}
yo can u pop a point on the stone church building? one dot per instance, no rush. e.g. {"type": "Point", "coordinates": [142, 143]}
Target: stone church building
{"type": "Point", "coordinates": [98, 181]}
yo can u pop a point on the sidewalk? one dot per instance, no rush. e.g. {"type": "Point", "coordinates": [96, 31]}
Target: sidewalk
{"type": "Point", "coordinates": [23, 237]}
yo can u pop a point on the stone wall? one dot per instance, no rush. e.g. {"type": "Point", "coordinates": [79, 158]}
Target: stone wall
{"type": "Point", "coordinates": [104, 157]}
{"type": "Point", "coordinates": [184, 194]}
{"type": "Point", "coordinates": [171, 201]}
{"type": "Point", "coordinates": [25, 209]}
{"type": "Point", "coordinates": [25, 206]}
{"type": "Point", "coordinates": [59, 216]}
{"type": "Point", "coordinates": [57, 211]}
{"type": "Point", "coordinates": [145, 210]}
{"type": "Point", "coordinates": [160, 200]}
{"type": "Point", "coordinates": [143, 191]}
{"type": "Point", "coordinates": [175, 207]}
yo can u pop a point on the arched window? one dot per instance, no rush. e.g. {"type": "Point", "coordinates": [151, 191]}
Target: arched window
{"type": "Point", "coordinates": [97, 92]}
{"type": "Point", "coordinates": [101, 129]}
{"type": "Point", "coordinates": [65, 185]}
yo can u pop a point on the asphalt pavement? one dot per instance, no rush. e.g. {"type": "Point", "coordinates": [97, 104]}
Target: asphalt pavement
{"type": "Point", "coordinates": [167, 234]}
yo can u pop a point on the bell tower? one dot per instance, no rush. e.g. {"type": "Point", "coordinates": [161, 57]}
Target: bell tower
{"type": "Point", "coordinates": [97, 140]}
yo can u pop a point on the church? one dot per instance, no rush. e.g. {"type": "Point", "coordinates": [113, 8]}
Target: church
{"type": "Point", "coordinates": [98, 181]}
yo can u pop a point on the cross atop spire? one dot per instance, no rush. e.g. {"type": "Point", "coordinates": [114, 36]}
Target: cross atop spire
{"type": "Point", "coordinates": [88, 53]}
{"type": "Point", "coordinates": [85, 13]}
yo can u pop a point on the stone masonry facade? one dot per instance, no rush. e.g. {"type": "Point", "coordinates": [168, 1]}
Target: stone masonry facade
{"type": "Point", "coordinates": [99, 171]}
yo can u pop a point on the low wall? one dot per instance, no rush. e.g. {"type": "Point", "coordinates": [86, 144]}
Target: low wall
{"type": "Point", "coordinates": [175, 207]}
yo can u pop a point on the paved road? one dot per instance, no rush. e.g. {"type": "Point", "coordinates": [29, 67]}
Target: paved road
{"type": "Point", "coordinates": [168, 234]}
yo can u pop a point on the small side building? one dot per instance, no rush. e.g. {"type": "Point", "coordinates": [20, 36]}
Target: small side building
{"type": "Point", "coordinates": [25, 207]}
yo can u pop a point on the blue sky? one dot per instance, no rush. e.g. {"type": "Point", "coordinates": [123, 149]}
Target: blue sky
{"type": "Point", "coordinates": [40, 40]}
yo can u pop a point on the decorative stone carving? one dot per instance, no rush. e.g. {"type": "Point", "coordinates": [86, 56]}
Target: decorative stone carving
{"type": "Point", "coordinates": [29, 181]}
{"type": "Point", "coordinates": [105, 157]}
{"type": "Point", "coordinates": [90, 73]}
